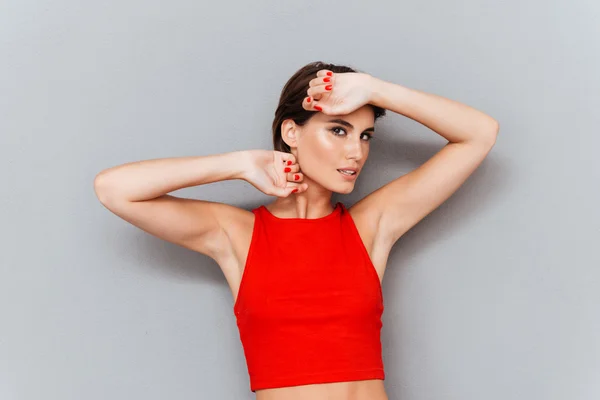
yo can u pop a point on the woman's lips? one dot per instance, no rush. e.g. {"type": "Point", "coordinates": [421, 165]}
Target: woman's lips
{"type": "Point", "coordinates": [348, 177]}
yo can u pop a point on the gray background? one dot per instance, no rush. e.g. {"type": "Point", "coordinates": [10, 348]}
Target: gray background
{"type": "Point", "coordinates": [492, 296]}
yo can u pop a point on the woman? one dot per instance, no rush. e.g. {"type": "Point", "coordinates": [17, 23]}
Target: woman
{"type": "Point", "coordinates": [309, 308]}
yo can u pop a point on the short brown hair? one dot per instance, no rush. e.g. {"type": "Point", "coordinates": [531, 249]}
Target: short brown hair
{"type": "Point", "coordinates": [293, 94]}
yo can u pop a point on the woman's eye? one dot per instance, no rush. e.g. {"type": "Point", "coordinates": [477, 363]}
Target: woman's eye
{"type": "Point", "coordinates": [337, 129]}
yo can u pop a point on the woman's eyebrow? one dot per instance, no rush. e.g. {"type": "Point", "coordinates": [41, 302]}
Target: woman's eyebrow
{"type": "Point", "coordinates": [348, 124]}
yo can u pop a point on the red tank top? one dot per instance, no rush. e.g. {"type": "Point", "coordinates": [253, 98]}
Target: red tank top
{"type": "Point", "coordinates": [310, 303]}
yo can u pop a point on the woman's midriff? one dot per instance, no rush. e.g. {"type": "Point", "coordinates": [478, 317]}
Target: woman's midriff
{"type": "Point", "coordinates": [372, 389]}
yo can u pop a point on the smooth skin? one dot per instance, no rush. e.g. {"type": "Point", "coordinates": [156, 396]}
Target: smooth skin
{"type": "Point", "coordinates": [137, 192]}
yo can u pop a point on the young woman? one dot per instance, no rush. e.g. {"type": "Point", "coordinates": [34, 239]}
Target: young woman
{"type": "Point", "coordinates": [305, 274]}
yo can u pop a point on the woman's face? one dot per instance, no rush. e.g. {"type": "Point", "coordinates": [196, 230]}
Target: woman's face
{"type": "Point", "coordinates": [327, 144]}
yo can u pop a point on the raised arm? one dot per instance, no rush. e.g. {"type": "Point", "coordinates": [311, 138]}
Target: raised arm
{"type": "Point", "coordinates": [471, 134]}
{"type": "Point", "coordinates": [137, 192]}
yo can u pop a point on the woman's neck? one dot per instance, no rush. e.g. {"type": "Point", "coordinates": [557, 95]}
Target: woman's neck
{"type": "Point", "coordinates": [301, 205]}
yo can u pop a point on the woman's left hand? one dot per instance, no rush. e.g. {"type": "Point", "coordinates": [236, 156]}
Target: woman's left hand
{"type": "Point", "coordinates": [338, 93]}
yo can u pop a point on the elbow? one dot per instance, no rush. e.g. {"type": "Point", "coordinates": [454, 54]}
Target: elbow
{"type": "Point", "coordinates": [495, 127]}
{"type": "Point", "coordinates": [491, 133]}
{"type": "Point", "coordinates": [102, 188]}
{"type": "Point", "coordinates": [485, 137]}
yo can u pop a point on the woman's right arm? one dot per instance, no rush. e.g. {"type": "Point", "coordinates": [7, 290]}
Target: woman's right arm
{"type": "Point", "coordinates": [136, 192]}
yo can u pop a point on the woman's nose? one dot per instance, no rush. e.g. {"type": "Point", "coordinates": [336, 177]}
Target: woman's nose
{"type": "Point", "coordinates": [355, 151]}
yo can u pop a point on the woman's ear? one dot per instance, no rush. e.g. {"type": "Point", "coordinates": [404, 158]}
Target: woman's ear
{"type": "Point", "coordinates": [289, 133]}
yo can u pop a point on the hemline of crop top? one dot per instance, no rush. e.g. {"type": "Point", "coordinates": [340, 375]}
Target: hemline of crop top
{"type": "Point", "coordinates": [309, 305]}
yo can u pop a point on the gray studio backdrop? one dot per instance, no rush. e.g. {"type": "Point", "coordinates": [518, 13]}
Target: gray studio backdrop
{"type": "Point", "coordinates": [493, 296]}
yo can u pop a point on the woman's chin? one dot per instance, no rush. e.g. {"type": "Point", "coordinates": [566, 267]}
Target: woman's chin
{"type": "Point", "coordinates": [345, 189]}
{"type": "Point", "coordinates": [340, 187]}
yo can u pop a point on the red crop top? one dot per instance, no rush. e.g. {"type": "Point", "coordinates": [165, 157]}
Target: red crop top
{"type": "Point", "coordinates": [310, 303]}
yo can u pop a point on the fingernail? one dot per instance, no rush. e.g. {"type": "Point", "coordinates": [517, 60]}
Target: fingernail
{"type": "Point", "coordinates": [328, 87]}
{"type": "Point", "coordinates": [287, 169]}
{"type": "Point", "coordinates": [294, 191]}
{"type": "Point", "coordinates": [326, 79]}
{"type": "Point", "coordinates": [330, 73]}
{"type": "Point", "coordinates": [308, 99]}
{"type": "Point", "coordinates": [296, 177]}
{"type": "Point", "coordinates": [289, 162]}
{"type": "Point", "coordinates": [318, 108]}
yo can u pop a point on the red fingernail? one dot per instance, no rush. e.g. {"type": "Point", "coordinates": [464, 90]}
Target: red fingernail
{"type": "Point", "coordinates": [287, 169]}
{"type": "Point", "coordinates": [296, 177]}
{"type": "Point", "coordinates": [294, 191]}
{"type": "Point", "coordinates": [308, 99]}
{"type": "Point", "coordinates": [330, 73]}
{"type": "Point", "coordinates": [328, 87]}
{"type": "Point", "coordinates": [326, 79]}
{"type": "Point", "coordinates": [318, 108]}
{"type": "Point", "coordinates": [289, 162]}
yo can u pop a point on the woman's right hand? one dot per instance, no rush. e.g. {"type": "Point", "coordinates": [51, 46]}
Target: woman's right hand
{"type": "Point", "coordinates": [266, 171]}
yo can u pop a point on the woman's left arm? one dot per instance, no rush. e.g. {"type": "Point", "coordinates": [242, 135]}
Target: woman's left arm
{"type": "Point", "coordinates": [471, 134]}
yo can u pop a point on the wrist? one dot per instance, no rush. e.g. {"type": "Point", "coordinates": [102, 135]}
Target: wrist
{"type": "Point", "coordinates": [388, 95]}
{"type": "Point", "coordinates": [376, 91]}
{"type": "Point", "coordinates": [241, 162]}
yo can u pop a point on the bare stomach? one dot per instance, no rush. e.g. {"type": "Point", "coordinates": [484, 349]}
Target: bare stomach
{"type": "Point", "coordinates": [371, 389]}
